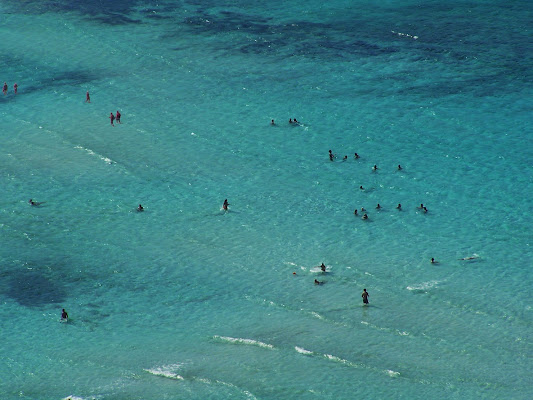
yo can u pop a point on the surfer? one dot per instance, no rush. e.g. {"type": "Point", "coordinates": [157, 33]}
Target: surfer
{"type": "Point", "coordinates": [433, 261]}
{"type": "Point", "coordinates": [64, 315]}
{"type": "Point", "coordinates": [365, 295]}
{"type": "Point", "coordinates": [225, 205]}
{"type": "Point", "coordinates": [35, 203]}
{"type": "Point", "coordinates": [323, 267]}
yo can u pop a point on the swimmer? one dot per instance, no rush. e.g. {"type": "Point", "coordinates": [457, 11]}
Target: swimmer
{"type": "Point", "coordinates": [363, 209]}
{"type": "Point", "coordinates": [378, 207]}
{"type": "Point", "coordinates": [375, 167]}
{"type": "Point", "coordinates": [421, 206]}
{"type": "Point", "coordinates": [399, 167]}
{"type": "Point", "coordinates": [118, 117]}
{"type": "Point", "coordinates": [469, 258]}
{"type": "Point", "coordinates": [87, 97]}
{"type": "Point", "coordinates": [355, 212]}
{"type": "Point", "coordinates": [295, 121]}
{"type": "Point", "coordinates": [140, 208]}
{"type": "Point", "coordinates": [425, 210]}
{"type": "Point", "coordinates": [112, 118]}
{"type": "Point", "coordinates": [290, 120]}
{"type": "Point", "coordinates": [365, 216]}
{"type": "Point", "coordinates": [35, 203]}
{"type": "Point", "coordinates": [15, 87]}
{"type": "Point", "coordinates": [64, 315]}
{"type": "Point", "coordinates": [365, 296]}
{"type": "Point", "coordinates": [4, 89]}
{"type": "Point", "coordinates": [399, 206]}
{"type": "Point", "coordinates": [225, 205]}
{"type": "Point", "coordinates": [345, 158]}
{"type": "Point", "coordinates": [318, 282]}
{"type": "Point", "coordinates": [272, 122]}
{"type": "Point", "coordinates": [355, 155]}
{"type": "Point", "coordinates": [361, 187]}
{"type": "Point", "coordinates": [433, 261]}
{"type": "Point", "coordinates": [331, 156]}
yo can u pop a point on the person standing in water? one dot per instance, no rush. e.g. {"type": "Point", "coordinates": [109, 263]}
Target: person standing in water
{"type": "Point", "coordinates": [118, 116]}
{"type": "Point", "coordinates": [87, 97]}
{"type": "Point", "coordinates": [365, 296]}
{"type": "Point", "coordinates": [225, 205]}
{"type": "Point", "coordinates": [112, 118]}
{"type": "Point", "coordinates": [64, 315]}
{"type": "Point", "coordinates": [4, 89]}
{"type": "Point", "coordinates": [15, 87]}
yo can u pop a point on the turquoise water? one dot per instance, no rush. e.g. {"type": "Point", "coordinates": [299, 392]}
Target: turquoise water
{"type": "Point", "coordinates": [186, 301]}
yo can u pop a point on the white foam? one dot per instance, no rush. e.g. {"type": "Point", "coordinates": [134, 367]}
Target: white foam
{"type": "Point", "coordinates": [391, 373]}
{"type": "Point", "coordinates": [405, 34]}
{"type": "Point", "coordinates": [231, 385]}
{"type": "Point", "coordinates": [92, 153]}
{"type": "Point", "coordinates": [316, 315]}
{"type": "Point", "coordinates": [251, 342]}
{"type": "Point", "coordinates": [423, 287]}
{"type": "Point", "coordinates": [301, 350]}
{"type": "Point", "coordinates": [166, 371]}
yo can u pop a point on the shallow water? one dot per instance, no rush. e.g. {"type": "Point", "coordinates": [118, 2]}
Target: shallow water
{"type": "Point", "coordinates": [186, 301]}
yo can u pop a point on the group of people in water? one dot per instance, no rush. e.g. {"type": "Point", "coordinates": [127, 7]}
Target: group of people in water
{"type": "Point", "coordinates": [356, 156]}
{"type": "Point", "coordinates": [112, 117]}
{"type": "Point", "coordinates": [323, 268]}
{"type": "Point", "coordinates": [5, 88]}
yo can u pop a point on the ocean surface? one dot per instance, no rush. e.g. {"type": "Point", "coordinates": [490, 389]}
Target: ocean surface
{"type": "Point", "coordinates": [188, 301]}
